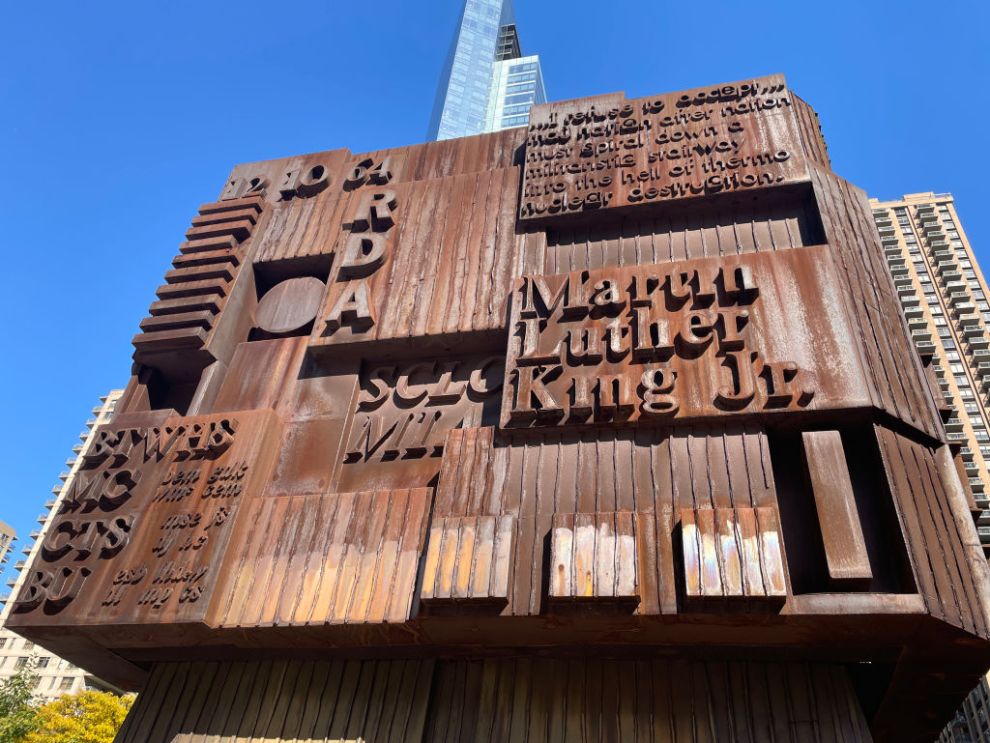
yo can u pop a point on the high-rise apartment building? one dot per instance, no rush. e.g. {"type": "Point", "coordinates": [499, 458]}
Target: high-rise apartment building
{"type": "Point", "coordinates": [946, 302]}
{"type": "Point", "coordinates": [7, 537]}
{"type": "Point", "coordinates": [972, 721]}
{"type": "Point", "coordinates": [56, 676]}
{"type": "Point", "coordinates": [487, 84]}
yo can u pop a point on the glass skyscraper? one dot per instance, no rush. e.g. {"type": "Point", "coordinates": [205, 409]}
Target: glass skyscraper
{"type": "Point", "coordinates": [487, 84]}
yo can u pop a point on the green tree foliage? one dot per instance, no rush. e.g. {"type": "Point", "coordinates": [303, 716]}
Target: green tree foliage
{"type": "Point", "coordinates": [89, 717]}
{"type": "Point", "coordinates": [18, 716]}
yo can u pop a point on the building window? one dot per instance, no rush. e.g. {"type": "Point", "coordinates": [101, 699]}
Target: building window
{"type": "Point", "coordinates": [21, 663]}
{"type": "Point", "coordinates": [66, 684]}
{"type": "Point", "coordinates": [43, 662]}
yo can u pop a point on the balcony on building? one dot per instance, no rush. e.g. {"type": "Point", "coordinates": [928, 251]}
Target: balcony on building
{"type": "Point", "coordinates": [958, 297]}
{"type": "Point", "coordinates": [914, 313]}
{"type": "Point", "coordinates": [978, 342]}
{"type": "Point", "coordinates": [970, 329]}
{"type": "Point", "coordinates": [908, 297]}
{"type": "Point", "coordinates": [951, 273]}
{"type": "Point", "coordinates": [954, 424]}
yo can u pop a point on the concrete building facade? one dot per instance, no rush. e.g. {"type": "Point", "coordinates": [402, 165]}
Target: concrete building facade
{"type": "Point", "coordinates": [56, 676]}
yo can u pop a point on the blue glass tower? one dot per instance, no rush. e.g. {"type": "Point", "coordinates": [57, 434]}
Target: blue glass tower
{"type": "Point", "coordinates": [487, 84]}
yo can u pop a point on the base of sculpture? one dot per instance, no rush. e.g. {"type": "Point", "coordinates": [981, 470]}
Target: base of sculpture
{"type": "Point", "coordinates": [505, 699]}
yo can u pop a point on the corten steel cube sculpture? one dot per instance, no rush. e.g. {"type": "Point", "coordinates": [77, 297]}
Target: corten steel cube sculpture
{"type": "Point", "coordinates": [608, 428]}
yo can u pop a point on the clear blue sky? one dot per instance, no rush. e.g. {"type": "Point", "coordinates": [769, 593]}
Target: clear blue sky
{"type": "Point", "coordinates": [118, 119]}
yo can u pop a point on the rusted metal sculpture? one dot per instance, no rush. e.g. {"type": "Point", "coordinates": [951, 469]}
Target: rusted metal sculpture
{"type": "Point", "coordinates": [605, 429]}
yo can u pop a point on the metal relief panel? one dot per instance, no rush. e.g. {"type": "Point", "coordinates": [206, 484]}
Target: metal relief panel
{"type": "Point", "coordinates": [591, 155]}
{"type": "Point", "coordinates": [756, 334]}
{"type": "Point", "coordinates": [463, 394]}
{"type": "Point", "coordinates": [397, 426]}
{"type": "Point", "coordinates": [733, 553]}
{"type": "Point", "coordinates": [315, 560]}
{"type": "Point", "coordinates": [423, 260]}
{"type": "Point", "coordinates": [142, 535]}
{"type": "Point", "coordinates": [593, 557]}
{"type": "Point", "coordinates": [562, 491]}
{"type": "Point", "coordinates": [468, 560]}
{"type": "Point", "coordinates": [197, 289]}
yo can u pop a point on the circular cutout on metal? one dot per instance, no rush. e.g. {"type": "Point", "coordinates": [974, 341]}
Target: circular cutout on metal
{"type": "Point", "coordinates": [290, 306]}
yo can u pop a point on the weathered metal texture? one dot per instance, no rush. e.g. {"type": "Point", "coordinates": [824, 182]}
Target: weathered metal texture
{"type": "Point", "coordinates": [733, 553]}
{"type": "Point", "coordinates": [893, 367]}
{"type": "Point", "coordinates": [945, 549]}
{"type": "Point", "coordinates": [611, 153]}
{"type": "Point", "coordinates": [593, 556]}
{"type": "Point", "coordinates": [178, 336]}
{"type": "Point", "coordinates": [497, 700]}
{"type": "Point", "coordinates": [572, 475]}
{"type": "Point", "coordinates": [468, 559]}
{"type": "Point", "coordinates": [306, 702]}
{"type": "Point", "coordinates": [401, 403]}
{"type": "Point", "coordinates": [298, 572]}
{"type": "Point", "coordinates": [842, 530]}
{"type": "Point", "coordinates": [290, 305]}
{"type": "Point", "coordinates": [684, 340]}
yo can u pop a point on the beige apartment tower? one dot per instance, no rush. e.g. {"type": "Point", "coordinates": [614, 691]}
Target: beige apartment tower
{"type": "Point", "coordinates": [56, 676]}
{"type": "Point", "coordinates": [946, 302]}
{"type": "Point", "coordinates": [7, 537]}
